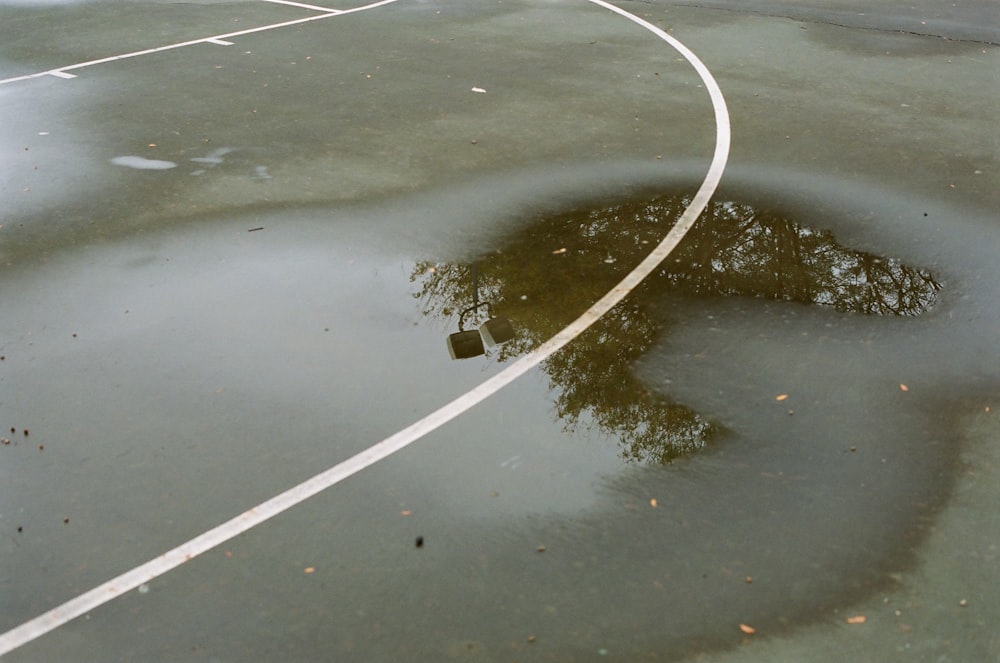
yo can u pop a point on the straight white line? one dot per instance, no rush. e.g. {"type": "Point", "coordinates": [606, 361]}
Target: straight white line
{"type": "Point", "coordinates": [219, 42]}
{"type": "Point", "coordinates": [304, 6]}
{"type": "Point", "coordinates": [213, 39]}
{"type": "Point", "coordinates": [61, 74]}
{"type": "Point", "coordinates": [84, 603]}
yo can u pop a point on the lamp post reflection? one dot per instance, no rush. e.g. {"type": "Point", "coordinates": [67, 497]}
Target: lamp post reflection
{"type": "Point", "coordinates": [464, 344]}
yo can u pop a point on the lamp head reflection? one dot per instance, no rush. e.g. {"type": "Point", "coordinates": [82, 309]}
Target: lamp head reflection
{"type": "Point", "coordinates": [464, 344]}
{"type": "Point", "coordinates": [496, 331]}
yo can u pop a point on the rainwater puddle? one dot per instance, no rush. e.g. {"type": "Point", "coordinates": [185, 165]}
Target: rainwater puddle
{"type": "Point", "coordinates": [783, 452]}
{"type": "Point", "coordinates": [731, 445]}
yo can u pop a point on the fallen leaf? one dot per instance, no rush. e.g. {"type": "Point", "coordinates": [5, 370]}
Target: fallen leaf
{"type": "Point", "coordinates": [652, 502]}
{"type": "Point", "coordinates": [749, 630]}
{"type": "Point", "coordinates": [309, 569]}
{"type": "Point", "coordinates": [903, 387]}
{"type": "Point", "coordinates": [857, 619]}
{"type": "Point", "coordinates": [558, 251]}
{"type": "Point", "coordinates": [479, 89]}
{"type": "Point", "coordinates": [781, 397]}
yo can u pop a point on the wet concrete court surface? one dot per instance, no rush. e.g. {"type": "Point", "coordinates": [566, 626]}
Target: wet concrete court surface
{"type": "Point", "coordinates": [230, 265]}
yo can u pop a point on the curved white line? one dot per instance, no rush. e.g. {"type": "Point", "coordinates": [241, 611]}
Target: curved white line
{"type": "Point", "coordinates": [169, 560]}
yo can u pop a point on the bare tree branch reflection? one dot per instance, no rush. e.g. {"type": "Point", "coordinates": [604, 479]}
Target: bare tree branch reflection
{"type": "Point", "coordinates": [737, 250]}
{"type": "Point", "coordinates": [550, 273]}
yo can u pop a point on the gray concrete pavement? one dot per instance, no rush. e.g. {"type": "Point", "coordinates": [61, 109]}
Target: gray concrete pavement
{"type": "Point", "coordinates": [211, 261]}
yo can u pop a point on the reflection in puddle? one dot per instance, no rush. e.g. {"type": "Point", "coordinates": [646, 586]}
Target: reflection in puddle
{"type": "Point", "coordinates": [738, 250]}
{"type": "Point", "coordinates": [549, 274]}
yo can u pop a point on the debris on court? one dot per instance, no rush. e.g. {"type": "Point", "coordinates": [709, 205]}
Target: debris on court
{"type": "Point", "coordinates": [781, 397]}
{"type": "Point", "coordinates": [479, 90]}
{"type": "Point", "coordinates": [749, 630]}
{"type": "Point", "coordinates": [857, 619]}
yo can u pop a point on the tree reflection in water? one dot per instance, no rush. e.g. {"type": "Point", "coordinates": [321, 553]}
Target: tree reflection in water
{"type": "Point", "coordinates": [550, 273]}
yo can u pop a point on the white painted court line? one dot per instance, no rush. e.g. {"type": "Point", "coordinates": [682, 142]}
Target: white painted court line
{"type": "Point", "coordinates": [171, 559]}
{"type": "Point", "coordinates": [215, 39]}
{"type": "Point", "coordinates": [304, 6]}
